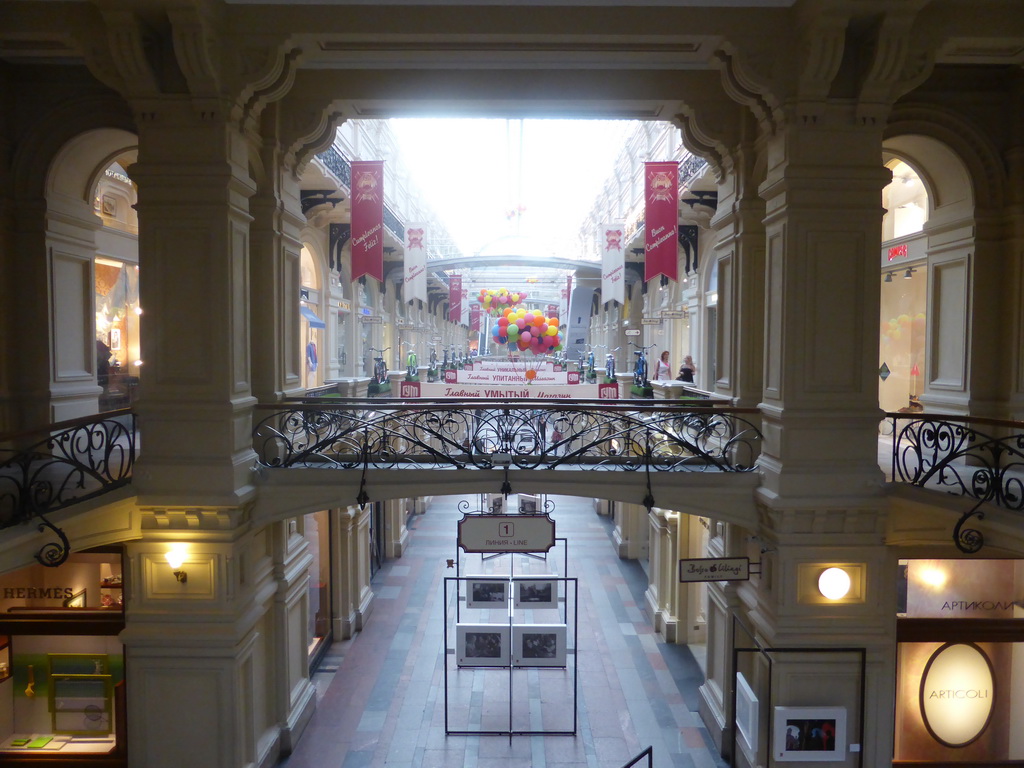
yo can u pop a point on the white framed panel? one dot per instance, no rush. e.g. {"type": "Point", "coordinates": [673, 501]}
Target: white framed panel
{"type": "Point", "coordinates": [487, 593]}
{"type": "Point", "coordinates": [538, 645]}
{"type": "Point", "coordinates": [482, 645]}
{"type": "Point", "coordinates": [536, 592]}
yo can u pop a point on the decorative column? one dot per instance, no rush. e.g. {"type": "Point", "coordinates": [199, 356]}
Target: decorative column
{"type": "Point", "coordinates": [200, 634]}
{"type": "Point", "coordinates": [196, 403]}
{"type": "Point", "coordinates": [350, 555]}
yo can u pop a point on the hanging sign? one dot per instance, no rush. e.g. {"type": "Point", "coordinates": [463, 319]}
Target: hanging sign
{"type": "Point", "coordinates": [415, 262]}
{"type": "Point", "coordinates": [661, 220]}
{"type": "Point", "coordinates": [368, 219]}
{"type": "Point", "coordinates": [506, 533]}
{"type": "Point", "coordinates": [650, 321]}
{"type": "Point", "coordinates": [455, 299]}
{"type": "Point", "coordinates": [714, 569]}
{"type": "Point", "coordinates": [613, 263]}
{"type": "Point", "coordinates": [632, 331]}
{"type": "Point", "coordinates": [957, 694]}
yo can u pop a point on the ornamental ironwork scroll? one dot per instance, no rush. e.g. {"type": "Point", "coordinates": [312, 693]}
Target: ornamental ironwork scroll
{"type": "Point", "coordinates": [499, 434]}
{"type": "Point", "coordinates": [76, 461]}
{"type": "Point", "coordinates": [953, 455]}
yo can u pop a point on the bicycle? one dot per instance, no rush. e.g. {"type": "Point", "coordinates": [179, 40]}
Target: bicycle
{"type": "Point", "coordinates": [640, 367]}
{"type": "Point", "coordinates": [380, 368]}
{"type": "Point", "coordinates": [411, 363]}
{"type": "Point", "coordinates": [609, 364]}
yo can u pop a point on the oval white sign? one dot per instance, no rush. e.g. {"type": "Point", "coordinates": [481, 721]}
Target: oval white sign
{"type": "Point", "coordinates": [957, 694]}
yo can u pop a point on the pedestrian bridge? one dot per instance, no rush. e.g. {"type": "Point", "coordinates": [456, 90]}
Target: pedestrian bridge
{"type": "Point", "coordinates": [699, 458]}
{"type": "Point", "coordinates": [642, 453]}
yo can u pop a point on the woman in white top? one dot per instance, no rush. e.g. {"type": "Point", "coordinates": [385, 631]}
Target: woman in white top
{"type": "Point", "coordinates": [662, 370]}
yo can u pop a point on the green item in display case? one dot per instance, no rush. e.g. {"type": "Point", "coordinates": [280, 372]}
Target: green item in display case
{"type": "Point", "coordinates": [19, 742]}
{"type": "Point", "coordinates": [39, 743]}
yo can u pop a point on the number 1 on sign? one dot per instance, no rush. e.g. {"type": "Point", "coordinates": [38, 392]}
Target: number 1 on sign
{"type": "Point", "coordinates": [506, 529]}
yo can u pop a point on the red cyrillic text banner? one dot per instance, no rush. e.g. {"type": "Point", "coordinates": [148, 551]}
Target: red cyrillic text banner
{"type": "Point", "coordinates": [368, 219]}
{"type": "Point", "coordinates": [661, 217]}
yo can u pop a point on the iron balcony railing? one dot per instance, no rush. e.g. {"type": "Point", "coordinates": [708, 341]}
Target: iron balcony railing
{"type": "Point", "coordinates": [977, 458]}
{"type": "Point", "coordinates": [488, 434]}
{"type": "Point", "coordinates": [69, 462]}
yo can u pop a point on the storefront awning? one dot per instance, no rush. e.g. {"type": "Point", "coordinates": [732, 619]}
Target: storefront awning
{"type": "Point", "coordinates": [310, 315]}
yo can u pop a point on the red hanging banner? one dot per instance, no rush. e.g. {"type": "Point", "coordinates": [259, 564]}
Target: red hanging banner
{"type": "Point", "coordinates": [474, 317]}
{"type": "Point", "coordinates": [455, 298]}
{"type": "Point", "coordinates": [368, 219]}
{"type": "Point", "coordinates": [661, 220]}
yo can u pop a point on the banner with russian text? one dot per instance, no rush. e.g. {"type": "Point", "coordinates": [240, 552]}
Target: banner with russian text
{"type": "Point", "coordinates": [567, 295]}
{"type": "Point", "coordinates": [455, 298]}
{"type": "Point", "coordinates": [613, 262]}
{"type": "Point", "coordinates": [474, 317]}
{"type": "Point", "coordinates": [416, 262]}
{"type": "Point", "coordinates": [661, 220]}
{"type": "Point", "coordinates": [368, 219]}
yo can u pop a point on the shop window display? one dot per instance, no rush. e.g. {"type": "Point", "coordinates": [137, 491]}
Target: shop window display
{"type": "Point", "coordinates": [318, 541]}
{"type": "Point", "coordinates": [61, 663]}
{"type": "Point", "coordinates": [118, 354]}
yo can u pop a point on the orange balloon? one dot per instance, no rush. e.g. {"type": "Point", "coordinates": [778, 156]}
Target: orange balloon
{"type": "Point", "coordinates": [553, 321]}
{"type": "Point", "coordinates": [531, 375]}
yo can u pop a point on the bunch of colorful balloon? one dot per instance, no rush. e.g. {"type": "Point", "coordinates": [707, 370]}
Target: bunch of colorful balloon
{"type": "Point", "coordinates": [496, 302]}
{"type": "Point", "coordinates": [527, 331]}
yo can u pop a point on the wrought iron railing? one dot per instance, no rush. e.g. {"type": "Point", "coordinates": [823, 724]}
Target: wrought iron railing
{"type": "Point", "coordinates": [73, 461]}
{"type": "Point", "coordinates": [488, 434]}
{"type": "Point", "coordinates": [982, 459]}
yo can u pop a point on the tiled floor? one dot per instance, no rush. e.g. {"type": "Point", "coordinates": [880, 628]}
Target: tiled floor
{"type": "Point", "coordinates": [385, 703]}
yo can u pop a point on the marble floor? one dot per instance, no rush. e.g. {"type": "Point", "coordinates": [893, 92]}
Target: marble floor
{"type": "Point", "coordinates": [386, 695]}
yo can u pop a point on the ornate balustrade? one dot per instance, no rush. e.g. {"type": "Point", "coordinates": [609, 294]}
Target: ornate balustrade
{"type": "Point", "coordinates": [982, 459]}
{"type": "Point", "coordinates": [488, 434]}
{"type": "Point", "coordinates": [69, 462]}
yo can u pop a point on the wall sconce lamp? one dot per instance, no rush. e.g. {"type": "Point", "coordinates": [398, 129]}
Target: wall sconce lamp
{"type": "Point", "coordinates": [888, 277]}
{"type": "Point", "coordinates": [909, 273]}
{"type": "Point", "coordinates": [834, 583]}
{"type": "Point", "coordinates": [175, 558]}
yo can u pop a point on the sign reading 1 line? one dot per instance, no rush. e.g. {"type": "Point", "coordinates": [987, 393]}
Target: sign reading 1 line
{"type": "Point", "coordinates": [715, 569]}
{"type": "Point", "coordinates": [506, 533]}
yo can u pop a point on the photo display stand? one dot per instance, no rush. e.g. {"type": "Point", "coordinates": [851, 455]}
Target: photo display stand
{"type": "Point", "coordinates": [506, 647]}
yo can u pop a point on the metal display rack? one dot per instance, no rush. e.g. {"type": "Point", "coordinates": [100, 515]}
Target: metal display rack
{"type": "Point", "coordinates": [568, 585]}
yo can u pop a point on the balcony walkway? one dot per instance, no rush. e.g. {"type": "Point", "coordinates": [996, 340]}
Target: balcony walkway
{"type": "Point", "coordinates": [384, 706]}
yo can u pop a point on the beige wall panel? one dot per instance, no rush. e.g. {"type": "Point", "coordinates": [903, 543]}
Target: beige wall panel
{"type": "Point", "coordinates": [774, 301]}
{"type": "Point", "coordinates": [239, 317]}
{"type": "Point", "coordinates": [74, 351]}
{"type": "Point", "coordinates": [948, 315]}
{"type": "Point", "coordinates": [185, 344]}
{"type": "Point", "coordinates": [728, 311]}
{"type": "Point", "coordinates": [834, 329]}
{"type": "Point", "coordinates": [291, 282]}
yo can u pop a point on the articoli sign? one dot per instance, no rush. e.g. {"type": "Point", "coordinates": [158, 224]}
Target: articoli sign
{"type": "Point", "coordinates": [957, 694]}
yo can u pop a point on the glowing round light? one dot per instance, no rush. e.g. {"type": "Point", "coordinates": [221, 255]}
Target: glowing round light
{"type": "Point", "coordinates": [834, 583]}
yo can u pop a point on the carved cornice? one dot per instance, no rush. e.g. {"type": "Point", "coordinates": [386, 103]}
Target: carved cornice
{"type": "Point", "coordinates": [195, 42]}
{"type": "Point", "coordinates": [743, 88]}
{"type": "Point", "coordinates": [900, 64]}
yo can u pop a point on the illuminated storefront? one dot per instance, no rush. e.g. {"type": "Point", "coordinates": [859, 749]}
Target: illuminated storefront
{"type": "Point", "coordinates": [960, 662]}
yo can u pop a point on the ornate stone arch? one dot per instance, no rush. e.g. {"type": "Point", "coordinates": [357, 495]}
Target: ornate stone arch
{"type": "Point", "coordinates": [964, 140]}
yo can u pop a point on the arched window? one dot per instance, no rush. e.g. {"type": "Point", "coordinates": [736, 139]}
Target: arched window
{"type": "Point", "coordinates": [905, 200]}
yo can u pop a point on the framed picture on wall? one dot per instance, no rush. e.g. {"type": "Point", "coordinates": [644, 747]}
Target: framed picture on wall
{"type": "Point", "coordinates": [538, 645]}
{"type": "Point", "coordinates": [809, 734]}
{"type": "Point", "coordinates": [536, 592]}
{"type": "Point", "coordinates": [115, 339]}
{"type": "Point", "coordinates": [487, 593]}
{"type": "Point", "coordinates": [482, 645]}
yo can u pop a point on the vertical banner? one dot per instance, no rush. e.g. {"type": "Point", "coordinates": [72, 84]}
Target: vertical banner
{"type": "Point", "coordinates": [368, 219]}
{"type": "Point", "coordinates": [553, 310]}
{"type": "Point", "coordinates": [416, 263]}
{"type": "Point", "coordinates": [474, 317]}
{"type": "Point", "coordinates": [455, 298]}
{"type": "Point", "coordinates": [613, 262]}
{"type": "Point", "coordinates": [568, 295]}
{"type": "Point", "coordinates": [464, 308]}
{"type": "Point", "coordinates": [661, 220]}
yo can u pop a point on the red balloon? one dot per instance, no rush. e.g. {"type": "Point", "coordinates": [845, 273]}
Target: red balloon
{"type": "Point", "coordinates": [503, 321]}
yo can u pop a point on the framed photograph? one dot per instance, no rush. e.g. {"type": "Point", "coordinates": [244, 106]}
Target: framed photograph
{"type": "Point", "coordinates": [482, 645]}
{"type": "Point", "coordinates": [487, 593]}
{"type": "Point", "coordinates": [495, 504]}
{"type": "Point", "coordinates": [536, 592]}
{"type": "Point", "coordinates": [538, 645]}
{"type": "Point", "coordinates": [115, 339]}
{"type": "Point", "coordinates": [746, 713]}
{"type": "Point", "coordinates": [529, 504]}
{"type": "Point", "coordinates": [810, 734]}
